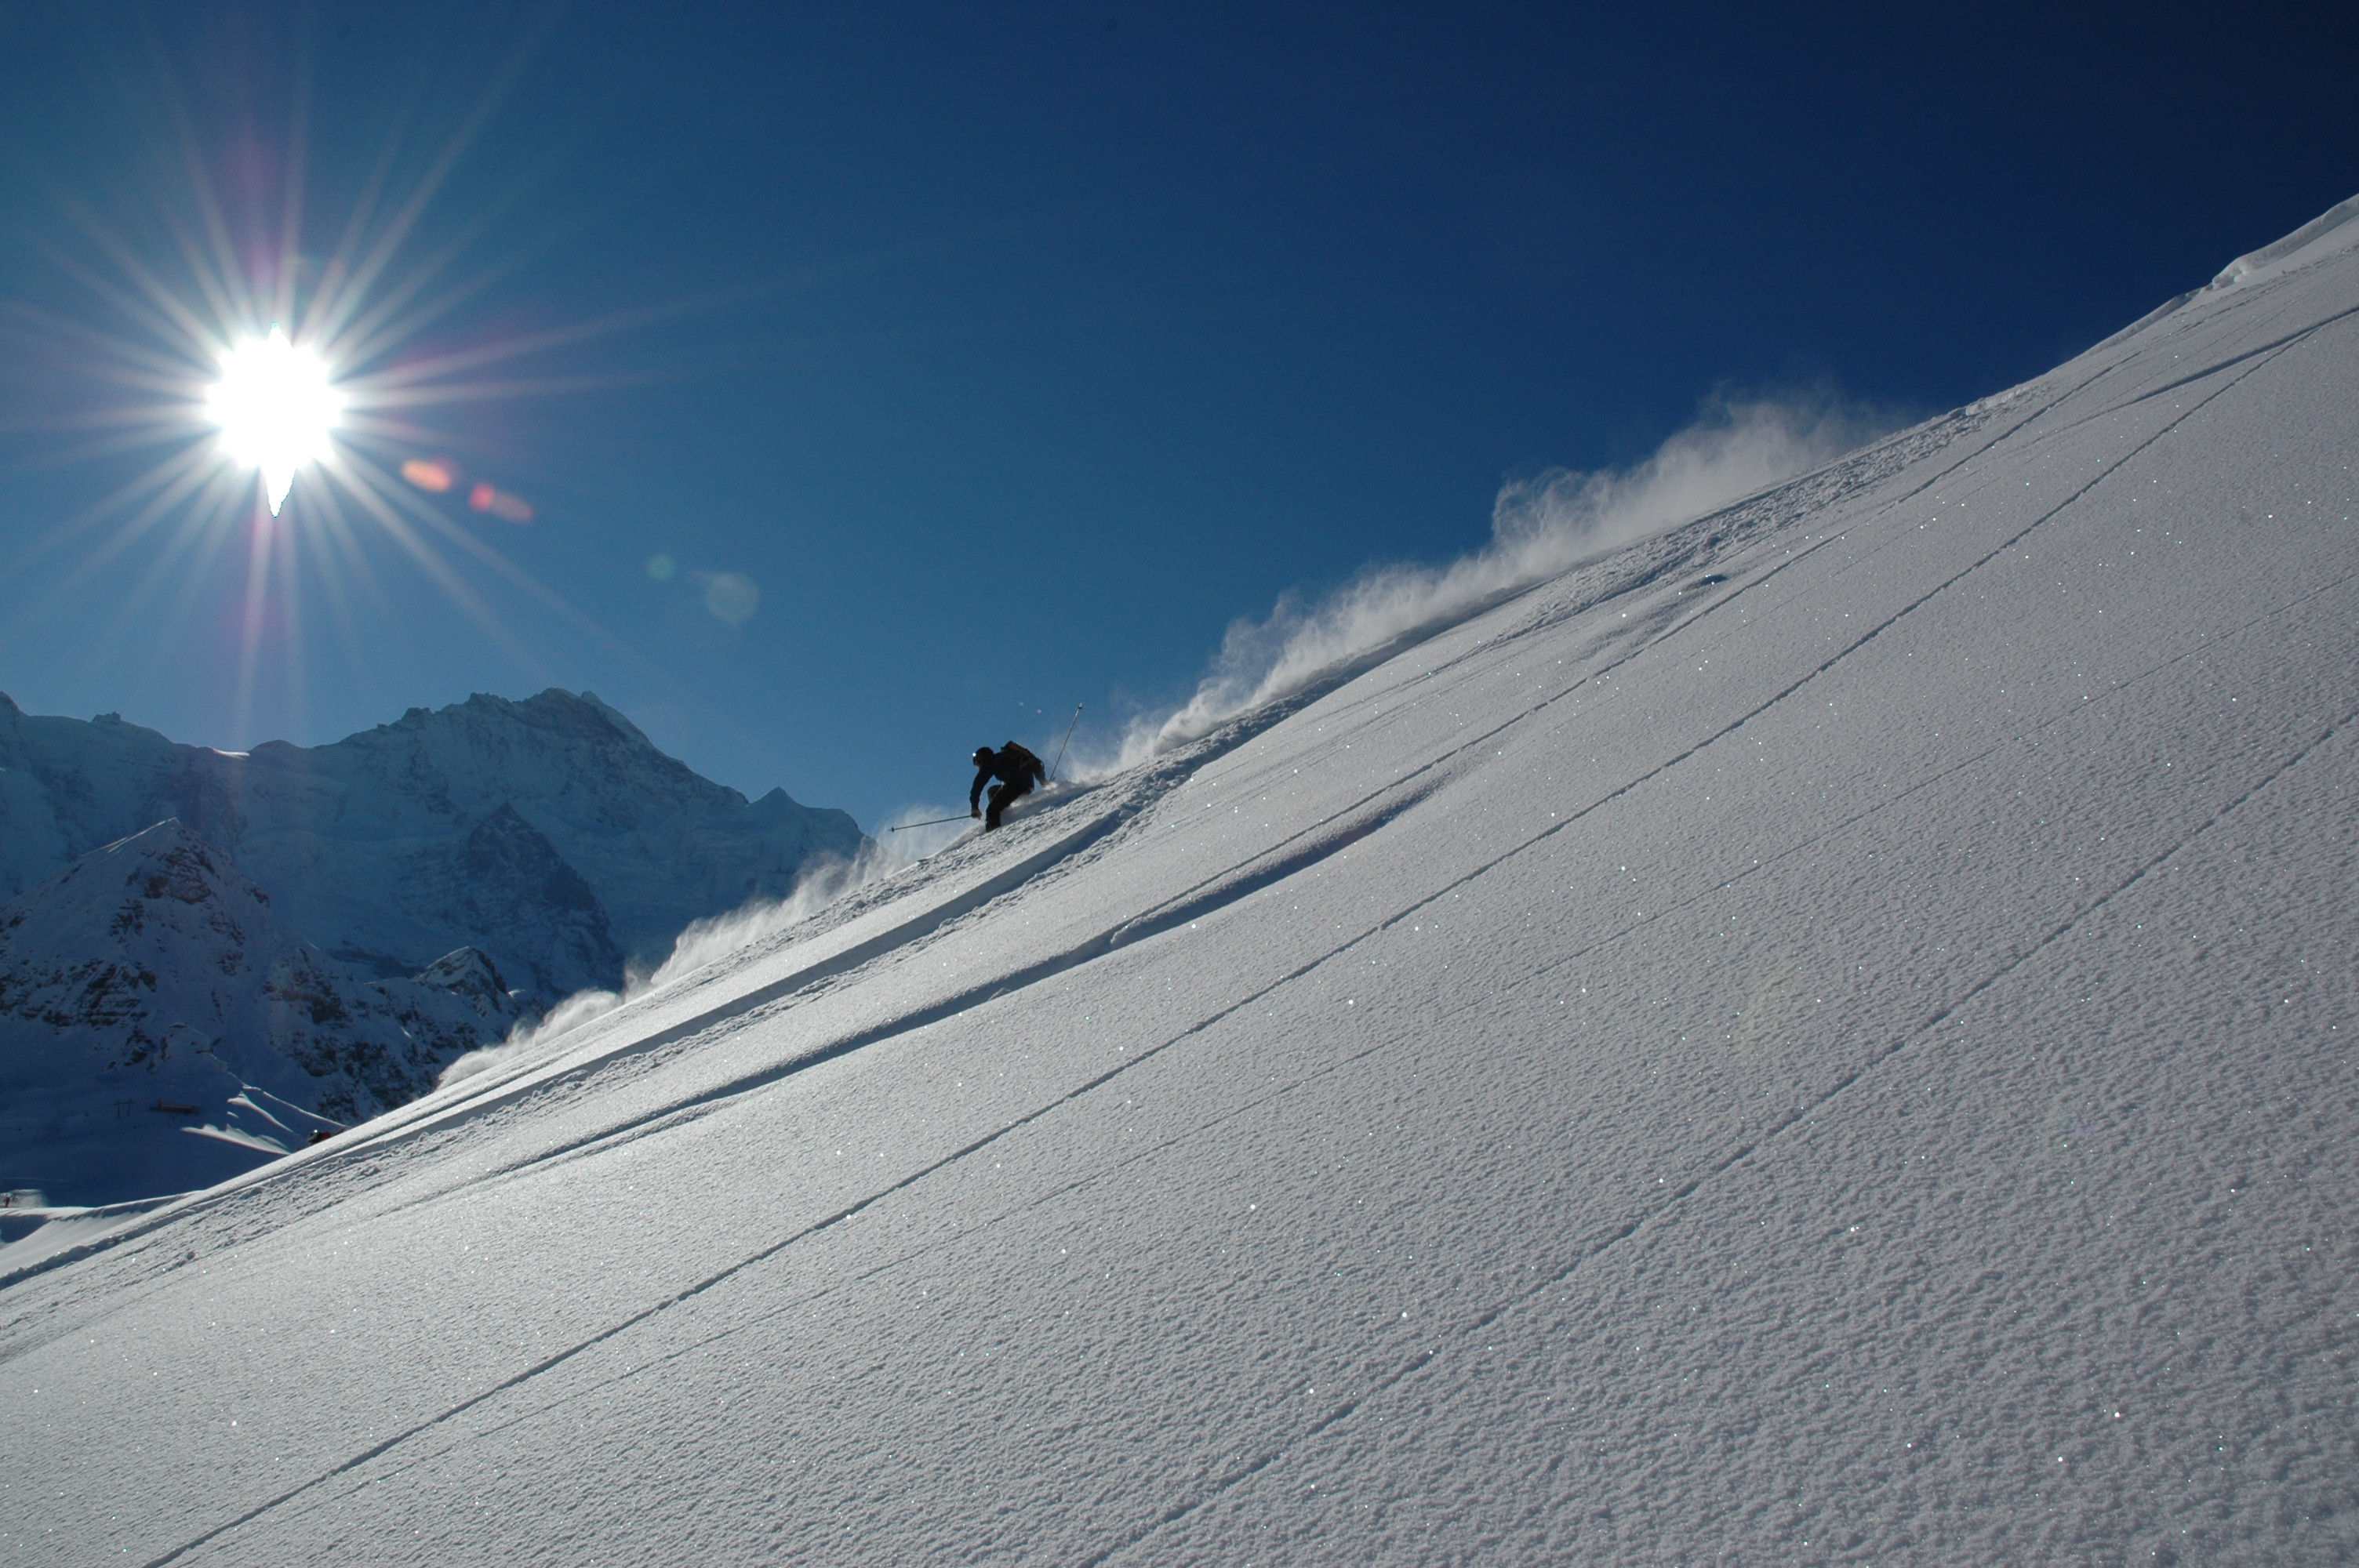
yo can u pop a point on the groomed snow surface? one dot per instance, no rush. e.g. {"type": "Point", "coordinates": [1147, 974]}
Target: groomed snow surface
{"type": "Point", "coordinates": [1824, 1036]}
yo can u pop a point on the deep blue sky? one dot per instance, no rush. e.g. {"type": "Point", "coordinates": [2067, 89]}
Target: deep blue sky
{"type": "Point", "coordinates": [1011, 350]}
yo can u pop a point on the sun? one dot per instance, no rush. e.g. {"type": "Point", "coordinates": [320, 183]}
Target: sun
{"type": "Point", "coordinates": [229, 341]}
{"type": "Point", "coordinates": [275, 405]}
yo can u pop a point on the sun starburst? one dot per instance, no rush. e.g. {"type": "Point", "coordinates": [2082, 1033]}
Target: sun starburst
{"type": "Point", "coordinates": [276, 390]}
{"type": "Point", "coordinates": [276, 407]}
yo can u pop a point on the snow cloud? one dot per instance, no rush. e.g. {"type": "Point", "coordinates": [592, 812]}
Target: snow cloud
{"type": "Point", "coordinates": [1539, 526]}
{"type": "Point", "coordinates": [707, 940]}
{"type": "Point", "coordinates": [702, 944]}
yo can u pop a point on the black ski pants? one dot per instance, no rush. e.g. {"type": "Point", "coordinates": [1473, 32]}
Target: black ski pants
{"type": "Point", "coordinates": [1003, 795]}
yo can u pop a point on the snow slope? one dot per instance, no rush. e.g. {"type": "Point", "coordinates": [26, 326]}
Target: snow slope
{"type": "Point", "coordinates": [1824, 1036]}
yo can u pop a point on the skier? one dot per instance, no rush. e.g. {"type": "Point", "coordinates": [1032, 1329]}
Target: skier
{"type": "Point", "coordinates": [1017, 772]}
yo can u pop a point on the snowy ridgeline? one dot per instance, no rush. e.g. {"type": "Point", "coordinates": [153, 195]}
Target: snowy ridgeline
{"type": "Point", "coordinates": [257, 949]}
{"type": "Point", "coordinates": [1825, 1035]}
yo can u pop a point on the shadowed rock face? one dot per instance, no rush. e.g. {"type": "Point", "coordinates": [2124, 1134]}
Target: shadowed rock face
{"type": "Point", "coordinates": [148, 990]}
{"type": "Point", "coordinates": [550, 832]}
{"type": "Point", "coordinates": [505, 885]}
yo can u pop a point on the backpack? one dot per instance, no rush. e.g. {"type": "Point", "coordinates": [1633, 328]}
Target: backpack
{"type": "Point", "coordinates": [1030, 763]}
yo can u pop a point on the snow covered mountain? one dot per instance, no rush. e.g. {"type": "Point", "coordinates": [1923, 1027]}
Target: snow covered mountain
{"type": "Point", "coordinates": [550, 833]}
{"type": "Point", "coordinates": [1823, 1035]}
{"type": "Point", "coordinates": [330, 926]}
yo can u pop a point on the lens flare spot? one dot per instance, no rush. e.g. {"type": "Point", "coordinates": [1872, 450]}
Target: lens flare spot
{"type": "Point", "coordinates": [500, 504]}
{"type": "Point", "coordinates": [276, 406]}
{"type": "Point", "coordinates": [661, 567]}
{"type": "Point", "coordinates": [436, 475]}
{"type": "Point", "coordinates": [732, 598]}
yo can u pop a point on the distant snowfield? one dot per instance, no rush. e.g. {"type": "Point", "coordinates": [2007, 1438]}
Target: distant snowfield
{"type": "Point", "coordinates": [1826, 1035]}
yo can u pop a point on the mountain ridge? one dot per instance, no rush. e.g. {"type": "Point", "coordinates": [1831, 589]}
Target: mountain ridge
{"type": "Point", "coordinates": [357, 838]}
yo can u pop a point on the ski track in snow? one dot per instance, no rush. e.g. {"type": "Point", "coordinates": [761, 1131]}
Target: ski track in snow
{"type": "Point", "coordinates": [948, 967]}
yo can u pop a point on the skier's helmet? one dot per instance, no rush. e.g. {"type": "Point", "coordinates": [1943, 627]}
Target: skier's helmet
{"type": "Point", "coordinates": [982, 756]}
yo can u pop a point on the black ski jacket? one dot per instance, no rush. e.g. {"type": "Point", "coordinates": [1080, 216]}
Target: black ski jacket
{"type": "Point", "coordinates": [1011, 766]}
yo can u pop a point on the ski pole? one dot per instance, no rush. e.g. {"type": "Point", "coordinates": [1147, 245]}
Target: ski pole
{"type": "Point", "coordinates": [930, 822]}
{"type": "Point", "coordinates": [1061, 745]}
